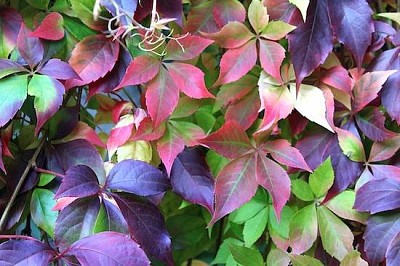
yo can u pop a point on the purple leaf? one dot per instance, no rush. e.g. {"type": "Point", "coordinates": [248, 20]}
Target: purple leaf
{"type": "Point", "coordinates": [10, 23]}
{"type": "Point", "coordinates": [125, 7]}
{"type": "Point", "coordinates": [380, 231]}
{"type": "Point", "coordinates": [122, 250]}
{"type": "Point", "coordinates": [58, 69]}
{"type": "Point", "coordinates": [8, 67]}
{"type": "Point", "coordinates": [378, 195]}
{"type": "Point", "coordinates": [372, 123]}
{"type": "Point", "coordinates": [385, 171]}
{"type": "Point", "coordinates": [60, 157]}
{"type": "Point", "coordinates": [352, 25]}
{"type": "Point", "coordinates": [137, 177]}
{"type": "Point", "coordinates": [31, 48]}
{"type": "Point", "coordinates": [146, 226]}
{"type": "Point", "coordinates": [192, 180]}
{"type": "Point", "coordinates": [167, 8]}
{"type": "Point", "coordinates": [382, 31]}
{"type": "Point", "coordinates": [393, 252]}
{"type": "Point", "coordinates": [25, 252]}
{"type": "Point", "coordinates": [311, 42]}
{"type": "Point", "coordinates": [79, 181]}
{"type": "Point", "coordinates": [115, 220]}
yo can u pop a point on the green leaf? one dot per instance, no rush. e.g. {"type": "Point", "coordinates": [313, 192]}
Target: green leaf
{"type": "Point", "coordinates": [337, 238]}
{"type": "Point", "coordinates": [281, 227]}
{"type": "Point", "coordinates": [247, 211]}
{"type": "Point", "coordinates": [44, 179]}
{"type": "Point", "coordinates": [342, 206]}
{"type": "Point", "coordinates": [302, 190]}
{"type": "Point", "coordinates": [303, 260]}
{"type": "Point", "coordinates": [246, 256]}
{"type": "Point", "coordinates": [83, 10]}
{"type": "Point", "coordinates": [43, 216]}
{"type": "Point", "coordinates": [258, 15]}
{"type": "Point", "coordinates": [254, 228]}
{"type": "Point", "coordinates": [101, 224]}
{"type": "Point", "coordinates": [276, 30]}
{"type": "Point", "coordinates": [277, 257]}
{"type": "Point", "coordinates": [40, 4]}
{"type": "Point", "coordinates": [205, 120]}
{"type": "Point", "coordinates": [136, 150]}
{"type": "Point", "coordinates": [77, 28]}
{"type": "Point", "coordinates": [303, 229]}
{"type": "Point", "coordinates": [216, 162]}
{"type": "Point", "coordinates": [322, 179]}
{"type": "Point", "coordinates": [351, 146]}
{"type": "Point", "coordinates": [353, 258]}
{"type": "Point", "coordinates": [224, 252]}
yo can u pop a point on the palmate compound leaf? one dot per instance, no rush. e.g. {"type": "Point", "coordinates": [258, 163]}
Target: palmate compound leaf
{"type": "Point", "coordinates": [121, 251]}
{"type": "Point", "coordinates": [26, 252]}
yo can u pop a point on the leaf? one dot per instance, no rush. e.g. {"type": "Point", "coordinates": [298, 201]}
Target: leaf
{"type": "Point", "coordinates": [146, 226]}
{"type": "Point", "coordinates": [302, 190]}
{"type": "Point", "coordinates": [79, 181]}
{"type": "Point", "coordinates": [8, 67]}
{"type": "Point", "coordinates": [337, 238]}
{"type": "Point", "coordinates": [137, 177]}
{"type": "Point", "coordinates": [338, 77]}
{"type": "Point", "coordinates": [392, 253]}
{"type": "Point", "coordinates": [277, 257]}
{"type": "Point", "coordinates": [302, 5]}
{"type": "Point", "coordinates": [136, 150]}
{"type": "Point", "coordinates": [124, 250]}
{"type": "Point", "coordinates": [392, 16]}
{"type": "Point", "coordinates": [235, 185]}
{"type": "Point", "coordinates": [351, 146]}
{"type": "Point", "coordinates": [254, 227]}
{"type": "Point", "coordinates": [192, 180]}
{"type": "Point", "coordinates": [312, 41]}
{"type": "Point", "coordinates": [192, 85]}
{"type": "Point", "coordinates": [200, 18]}
{"type": "Point", "coordinates": [141, 70]}
{"type": "Point", "coordinates": [371, 121]}
{"type": "Point", "coordinates": [249, 210]}
{"type": "Point", "coordinates": [230, 140]}
{"type": "Point", "coordinates": [30, 48]}
{"type": "Point", "coordinates": [353, 258]}
{"type": "Point", "coordinates": [13, 92]}
{"type": "Point", "coordinates": [342, 206]}
{"type": "Point", "coordinates": [51, 27]}
{"type": "Point", "coordinates": [304, 260]}
{"type": "Point", "coordinates": [114, 8]}
{"type": "Point", "coordinates": [225, 11]}
{"type": "Point", "coordinates": [246, 256]}
{"type": "Point", "coordinates": [386, 171]}
{"type": "Point", "coordinates": [26, 252]}
{"type": "Point", "coordinates": [322, 179]}
{"type": "Point", "coordinates": [245, 111]}
{"type": "Point", "coordinates": [384, 150]}
{"type": "Point", "coordinates": [274, 179]}
{"type": "Point", "coordinates": [276, 30]}
{"type": "Point", "coordinates": [258, 15]}
{"type": "Point", "coordinates": [346, 19]}
{"type": "Point", "coordinates": [169, 146]}
{"type": "Point", "coordinates": [92, 58]}
{"type": "Point", "coordinates": [121, 133]}
{"type": "Point", "coordinates": [84, 131]}
{"type": "Point", "coordinates": [317, 111]}
{"type": "Point", "coordinates": [367, 87]}
{"type": "Point", "coordinates": [40, 4]}
{"type": "Point", "coordinates": [235, 63]}
{"type": "Point", "coordinates": [48, 94]}
{"type": "Point", "coordinates": [380, 231]}
{"type": "Point", "coordinates": [84, 11]}
{"type": "Point", "coordinates": [192, 46]}
{"type": "Point", "coordinates": [58, 69]}
{"type": "Point", "coordinates": [303, 229]}
{"type": "Point", "coordinates": [284, 153]}
{"type": "Point", "coordinates": [271, 57]}
{"type": "Point", "coordinates": [10, 23]}
{"type": "Point", "coordinates": [42, 202]}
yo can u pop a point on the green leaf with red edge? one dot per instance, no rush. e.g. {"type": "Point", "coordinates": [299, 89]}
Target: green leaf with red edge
{"type": "Point", "coordinates": [367, 87]}
{"type": "Point", "coordinates": [271, 57]}
{"type": "Point", "coordinates": [190, 133]}
{"type": "Point", "coordinates": [230, 140]}
{"type": "Point", "coordinates": [235, 185]}
{"type": "Point", "coordinates": [48, 94]}
{"type": "Point", "coordinates": [258, 15]}
{"type": "Point", "coordinates": [384, 150]}
{"type": "Point", "coordinates": [232, 35]}
{"type": "Point", "coordinates": [235, 63]}
{"type": "Point", "coordinates": [303, 229]}
{"type": "Point", "coordinates": [13, 93]}
{"type": "Point", "coordinates": [276, 30]}
{"type": "Point", "coordinates": [161, 97]}
{"type": "Point", "coordinates": [192, 46]}
{"type": "Point", "coordinates": [192, 85]}
{"type": "Point", "coordinates": [284, 153]}
{"type": "Point", "coordinates": [273, 178]}
{"type": "Point", "coordinates": [351, 146]}
{"type": "Point", "coordinates": [92, 58]}
{"type": "Point", "coordinates": [51, 27]}
{"type": "Point", "coordinates": [10, 23]}
{"type": "Point", "coordinates": [225, 11]}
{"type": "Point", "coordinates": [141, 70]}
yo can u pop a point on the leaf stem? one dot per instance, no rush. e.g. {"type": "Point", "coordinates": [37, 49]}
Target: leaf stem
{"type": "Point", "coordinates": [17, 237]}
{"type": "Point", "coordinates": [44, 171]}
{"type": "Point", "coordinates": [28, 168]}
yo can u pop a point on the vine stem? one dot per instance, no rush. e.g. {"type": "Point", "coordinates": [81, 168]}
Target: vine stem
{"type": "Point", "coordinates": [44, 171]}
{"type": "Point", "coordinates": [28, 168]}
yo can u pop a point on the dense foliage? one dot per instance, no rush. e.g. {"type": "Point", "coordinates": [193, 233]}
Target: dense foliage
{"type": "Point", "coordinates": [196, 132]}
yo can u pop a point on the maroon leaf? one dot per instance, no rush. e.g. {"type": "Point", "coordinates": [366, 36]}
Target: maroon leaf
{"type": "Point", "coordinates": [137, 177]}
{"type": "Point", "coordinates": [123, 251]}
{"type": "Point", "coordinates": [146, 226]}
{"type": "Point", "coordinates": [225, 11]}
{"type": "Point", "coordinates": [31, 48]}
{"type": "Point", "coordinates": [346, 20]}
{"type": "Point", "coordinates": [371, 121]}
{"type": "Point", "coordinates": [393, 252]}
{"type": "Point", "coordinates": [92, 58]}
{"type": "Point", "coordinates": [58, 69]}
{"type": "Point", "coordinates": [79, 181]}
{"type": "Point", "coordinates": [230, 140]}
{"type": "Point", "coordinates": [25, 252]}
{"type": "Point", "coordinates": [192, 47]}
{"type": "Point", "coordinates": [380, 231]}
{"type": "Point", "coordinates": [378, 195]}
{"type": "Point", "coordinates": [192, 180]}
{"type": "Point", "coordinates": [51, 27]}
{"type": "Point", "coordinates": [311, 42]}
{"type": "Point", "coordinates": [10, 23]}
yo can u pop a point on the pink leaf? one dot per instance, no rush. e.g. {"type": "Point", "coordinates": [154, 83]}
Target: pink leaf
{"type": "Point", "coordinates": [120, 134]}
{"type": "Point", "coordinates": [225, 11]}
{"type": "Point", "coordinates": [384, 150]}
{"type": "Point", "coordinates": [244, 111]}
{"type": "Point", "coordinates": [232, 35]}
{"type": "Point", "coordinates": [271, 57]}
{"type": "Point", "coordinates": [146, 130]}
{"type": "Point", "coordinates": [192, 47]}
{"type": "Point", "coordinates": [169, 146]}
{"type": "Point", "coordinates": [51, 27]}
{"type": "Point", "coordinates": [339, 78]}
{"type": "Point", "coordinates": [83, 131]}
{"type": "Point", "coordinates": [200, 18]}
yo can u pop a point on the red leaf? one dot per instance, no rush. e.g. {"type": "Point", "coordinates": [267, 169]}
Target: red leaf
{"type": "Point", "coordinates": [169, 146]}
{"type": "Point", "coordinates": [339, 78]}
{"type": "Point", "coordinates": [192, 85]}
{"type": "Point", "coordinates": [225, 11]}
{"type": "Point", "coordinates": [200, 18]}
{"type": "Point", "coordinates": [83, 131]}
{"type": "Point", "coordinates": [146, 130]}
{"type": "Point", "coordinates": [284, 153]}
{"type": "Point", "coordinates": [235, 63]}
{"type": "Point", "coordinates": [230, 140]}
{"type": "Point", "coordinates": [274, 179]}
{"type": "Point", "coordinates": [271, 57]}
{"type": "Point", "coordinates": [51, 27]}
{"type": "Point", "coordinates": [192, 47]}
{"type": "Point", "coordinates": [120, 133]}
{"type": "Point", "coordinates": [92, 58]}
{"type": "Point", "coordinates": [232, 35]}
{"type": "Point", "coordinates": [244, 111]}
{"type": "Point", "coordinates": [235, 186]}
